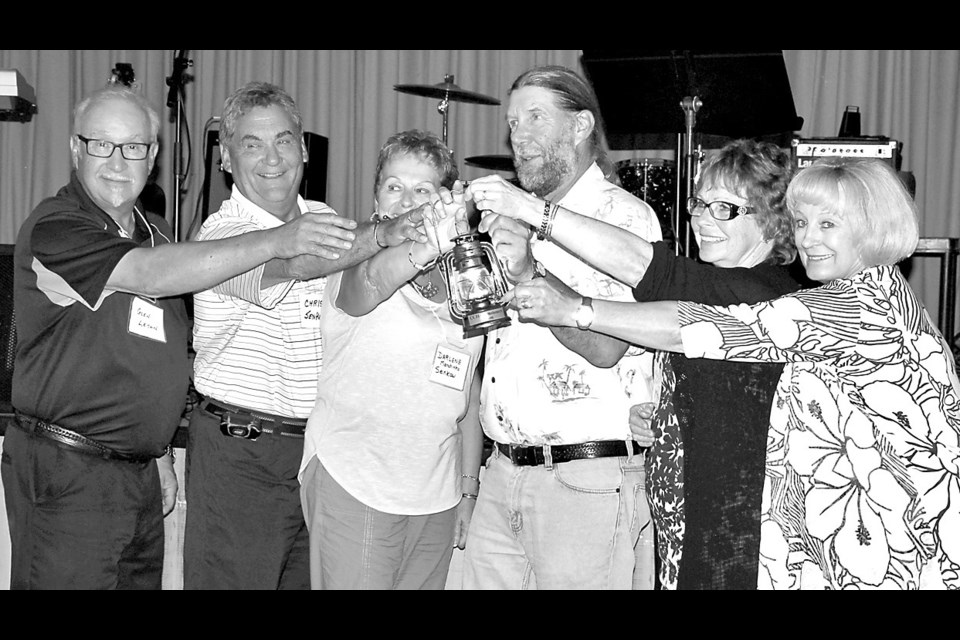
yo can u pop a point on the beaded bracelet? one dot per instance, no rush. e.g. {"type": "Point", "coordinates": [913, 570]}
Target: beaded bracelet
{"type": "Point", "coordinates": [553, 216]}
{"type": "Point", "coordinates": [471, 496]}
{"type": "Point", "coordinates": [542, 231]}
{"type": "Point", "coordinates": [470, 477]}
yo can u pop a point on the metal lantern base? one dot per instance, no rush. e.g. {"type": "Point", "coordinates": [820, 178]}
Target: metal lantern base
{"type": "Point", "coordinates": [480, 322]}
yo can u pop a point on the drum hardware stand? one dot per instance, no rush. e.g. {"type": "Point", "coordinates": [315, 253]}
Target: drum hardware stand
{"type": "Point", "coordinates": [446, 91]}
{"type": "Point", "coordinates": [686, 173]}
{"type": "Point", "coordinates": [748, 95]}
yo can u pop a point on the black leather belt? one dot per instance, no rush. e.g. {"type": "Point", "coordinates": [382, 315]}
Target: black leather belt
{"type": "Point", "coordinates": [532, 456]}
{"type": "Point", "coordinates": [72, 439]}
{"type": "Point", "coordinates": [238, 422]}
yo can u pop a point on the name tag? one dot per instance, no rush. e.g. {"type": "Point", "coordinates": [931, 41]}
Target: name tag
{"type": "Point", "coordinates": [450, 367]}
{"type": "Point", "coordinates": [310, 310]}
{"type": "Point", "coordinates": [146, 320]}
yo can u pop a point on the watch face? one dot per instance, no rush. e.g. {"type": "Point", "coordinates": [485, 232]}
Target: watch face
{"type": "Point", "coordinates": [584, 314]}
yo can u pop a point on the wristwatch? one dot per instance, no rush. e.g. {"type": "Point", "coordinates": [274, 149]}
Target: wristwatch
{"type": "Point", "coordinates": [583, 316]}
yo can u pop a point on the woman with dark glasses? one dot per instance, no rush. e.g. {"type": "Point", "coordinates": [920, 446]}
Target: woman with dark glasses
{"type": "Point", "coordinates": [705, 469]}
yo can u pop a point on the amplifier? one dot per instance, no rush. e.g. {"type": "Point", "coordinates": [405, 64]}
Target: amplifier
{"type": "Point", "coordinates": [808, 150]}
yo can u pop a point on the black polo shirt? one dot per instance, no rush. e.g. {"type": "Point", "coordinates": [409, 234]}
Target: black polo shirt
{"type": "Point", "coordinates": [78, 363]}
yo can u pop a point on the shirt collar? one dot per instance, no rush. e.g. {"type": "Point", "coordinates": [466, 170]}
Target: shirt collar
{"type": "Point", "coordinates": [264, 217]}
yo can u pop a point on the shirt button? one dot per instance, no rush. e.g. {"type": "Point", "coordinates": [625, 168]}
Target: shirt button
{"type": "Point", "coordinates": [492, 379]}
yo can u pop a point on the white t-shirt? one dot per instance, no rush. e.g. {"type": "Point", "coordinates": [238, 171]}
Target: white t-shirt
{"type": "Point", "coordinates": [381, 427]}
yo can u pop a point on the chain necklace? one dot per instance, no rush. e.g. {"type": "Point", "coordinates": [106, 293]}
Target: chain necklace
{"type": "Point", "coordinates": [428, 290]}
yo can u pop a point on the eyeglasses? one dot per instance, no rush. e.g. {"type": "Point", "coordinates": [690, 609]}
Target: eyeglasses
{"type": "Point", "coordinates": [105, 148]}
{"type": "Point", "coordinates": [719, 209]}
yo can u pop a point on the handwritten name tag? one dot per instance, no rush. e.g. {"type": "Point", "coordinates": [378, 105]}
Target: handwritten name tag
{"type": "Point", "coordinates": [310, 310]}
{"type": "Point", "coordinates": [450, 367]}
{"type": "Point", "coordinates": [146, 320]}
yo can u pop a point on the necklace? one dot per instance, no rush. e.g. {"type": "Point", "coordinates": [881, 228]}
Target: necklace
{"type": "Point", "coordinates": [428, 290]}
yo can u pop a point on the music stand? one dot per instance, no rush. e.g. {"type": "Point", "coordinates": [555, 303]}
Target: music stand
{"type": "Point", "coordinates": [646, 95]}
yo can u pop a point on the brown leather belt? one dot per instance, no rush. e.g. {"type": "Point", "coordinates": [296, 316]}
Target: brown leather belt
{"type": "Point", "coordinates": [72, 439]}
{"type": "Point", "coordinates": [247, 424]}
{"type": "Point", "coordinates": [533, 456]}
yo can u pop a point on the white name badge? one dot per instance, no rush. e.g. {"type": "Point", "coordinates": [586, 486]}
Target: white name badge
{"type": "Point", "coordinates": [310, 310]}
{"type": "Point", "coordinates": [450, 367]}
{"type": "Point", "coordinates": [146, 320]}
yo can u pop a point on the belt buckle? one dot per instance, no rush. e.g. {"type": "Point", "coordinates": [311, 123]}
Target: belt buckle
{"type": "Point", "coordinates": [238, 425]}
{"type": "Point", "coordinates": [520, 455]}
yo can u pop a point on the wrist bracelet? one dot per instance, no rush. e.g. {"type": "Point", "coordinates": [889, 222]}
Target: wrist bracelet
{"type": "Point", "coordinates": [418, 267]}
{"type": "Point", "coordinates": [376, 227]}
{"type": "Point", "coordinates": [542, 231]}
{"type": "Point", "coordinates": [470, 496]}
{"type": "Point", "coordinates": [470, 477]}
{"type": "Point", "coordinates": [553, 216]}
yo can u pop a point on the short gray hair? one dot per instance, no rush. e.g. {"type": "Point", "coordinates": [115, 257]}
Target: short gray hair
{"type": "Point", "coordinates": [117, 92]}
{"type": "Point", "coordinates": [256, 94]}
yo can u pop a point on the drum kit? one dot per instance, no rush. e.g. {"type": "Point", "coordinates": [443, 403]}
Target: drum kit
{"type": "Point", "coordinates": [446, 92]}
{"type": "Point", "coordinates": [653, 180]}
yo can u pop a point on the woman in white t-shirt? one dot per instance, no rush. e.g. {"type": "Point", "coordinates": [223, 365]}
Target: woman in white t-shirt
{"type": "Point", "coordinates": [391, 464]}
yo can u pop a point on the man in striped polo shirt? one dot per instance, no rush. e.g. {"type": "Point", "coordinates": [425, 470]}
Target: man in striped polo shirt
{"type": "Point", "coordinates": [258, 356]}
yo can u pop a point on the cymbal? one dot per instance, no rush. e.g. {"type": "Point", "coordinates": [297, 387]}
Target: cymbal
{"type": "Point", "coordinates": [495, 163]}
{"type": "Point", "coordinates": [445, 90]}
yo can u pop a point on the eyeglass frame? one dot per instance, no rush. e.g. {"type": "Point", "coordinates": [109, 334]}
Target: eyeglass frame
{"type": "Point", "coordinates": [114, 146]}
{"type": "Point", "coordinates": [735, 209]}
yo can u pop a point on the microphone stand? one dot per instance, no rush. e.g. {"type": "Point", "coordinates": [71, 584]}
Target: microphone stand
{"type": "Point", "coordinates": [175, 101]}
{"type": "Point", "coordinates": [690, 106]}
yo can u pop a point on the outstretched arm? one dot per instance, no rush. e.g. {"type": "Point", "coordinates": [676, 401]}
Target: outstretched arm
{"type": "Point", "coordinates": [550, 302]}
{"type": "Point", "coordinates": [371, 238]}
{"type": "Point", "coordinates": [511, 241]}
{"type": "Point", "coordinates": [184, 267]}
{"type": "Point", "coordinates": [606, 247]}
{"type": "Point", "coordinates": [367, 284]}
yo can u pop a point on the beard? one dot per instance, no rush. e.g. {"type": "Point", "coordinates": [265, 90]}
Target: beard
{"type": "Point", "coordinates": [557, 165]}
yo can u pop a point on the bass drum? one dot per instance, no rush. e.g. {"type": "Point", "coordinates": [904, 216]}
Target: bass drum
{"type": "Point", "coordinates": [654, 181]}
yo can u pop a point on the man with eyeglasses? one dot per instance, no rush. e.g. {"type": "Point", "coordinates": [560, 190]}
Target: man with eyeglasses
{"type": "Point", "coordinates": [101, 371]}
{"type": "Point", "coordinates": [706, 467]}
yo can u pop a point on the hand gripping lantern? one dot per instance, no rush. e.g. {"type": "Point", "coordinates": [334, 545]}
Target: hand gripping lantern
{"type": "Point", "coordinates": [475, 283]}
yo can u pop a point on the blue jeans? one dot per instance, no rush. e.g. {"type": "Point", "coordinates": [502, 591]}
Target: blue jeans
{"type": "Point", "coordinates": [583, 524]}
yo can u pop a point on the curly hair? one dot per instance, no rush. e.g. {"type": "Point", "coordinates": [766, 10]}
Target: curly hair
{"type": "Point", "coordinates": [425, 145]}
{"type": "Point", "coordinates": [759, 172]}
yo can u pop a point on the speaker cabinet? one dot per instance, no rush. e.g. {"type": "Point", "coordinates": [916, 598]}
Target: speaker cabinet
{"type": "Point", "coordinates": [8, 329]}
{"type": "Point", "coordinates": [217, 183]}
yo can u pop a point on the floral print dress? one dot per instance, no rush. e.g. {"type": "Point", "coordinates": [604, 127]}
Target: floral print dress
{"type": "Point", "coordinates": [862, 487]}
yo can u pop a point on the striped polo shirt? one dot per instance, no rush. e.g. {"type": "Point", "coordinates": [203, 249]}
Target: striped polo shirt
{"type": "Point", "coordinates": [257, 348]}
